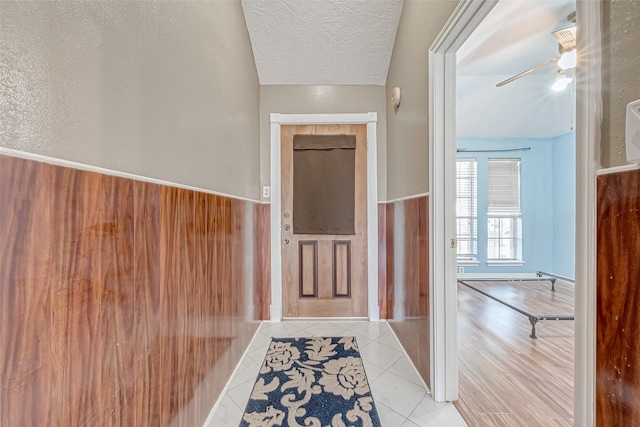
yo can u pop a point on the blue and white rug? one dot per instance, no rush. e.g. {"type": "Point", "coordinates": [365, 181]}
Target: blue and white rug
{"type": "Point", "coordinates": [311, 382]}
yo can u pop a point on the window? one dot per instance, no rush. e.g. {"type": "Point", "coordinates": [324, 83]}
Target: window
{"type": "Point", "coordinates": [466, 208]}
{"type": "Point", "coordinates": [504, 214]}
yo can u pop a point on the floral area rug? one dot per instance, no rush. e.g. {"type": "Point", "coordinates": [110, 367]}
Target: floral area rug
{"type": "Point", "coordinates": [311, 382]}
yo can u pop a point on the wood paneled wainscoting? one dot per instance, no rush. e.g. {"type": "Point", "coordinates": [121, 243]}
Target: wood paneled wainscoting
{"type": "Point", "coordinates": [403, 283]}
{"type": "Point", "coordinates": [618, 300]}
{"type": "Point", "coordinates": [122, 302]}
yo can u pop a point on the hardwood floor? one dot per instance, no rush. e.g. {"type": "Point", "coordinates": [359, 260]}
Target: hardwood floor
{"type": "Point", "coordinates": [505, 377]}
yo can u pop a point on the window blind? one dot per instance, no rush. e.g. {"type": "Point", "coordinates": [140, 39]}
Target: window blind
{"type": "Point", "coordinates": [466, 188]}
{"type": "Point", "coordinates": [466, 207]}
{"type": "Point", "coordinates": [504, 187]}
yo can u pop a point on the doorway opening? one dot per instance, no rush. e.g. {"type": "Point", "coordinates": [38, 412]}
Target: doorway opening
{"type": "Point", "coordinates": [515, 215]}
{"type": "Point", "coordinates": [443, 91]}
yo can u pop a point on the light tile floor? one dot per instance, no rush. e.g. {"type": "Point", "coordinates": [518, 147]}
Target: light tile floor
{"type": "Point", "coordinates": [400, 395]}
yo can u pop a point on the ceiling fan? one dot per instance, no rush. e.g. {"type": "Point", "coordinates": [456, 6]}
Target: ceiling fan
{"type": "Point", "coordinates": [566, 37]}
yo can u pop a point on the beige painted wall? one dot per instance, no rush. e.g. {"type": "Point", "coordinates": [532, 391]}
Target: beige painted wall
{"type": "Point", "coordinates": [167, 90]}
{"type": "Point", "coordinates": [621, 79]}
{"type": "Point", "coordinates": [323, 99]}
{"type": "Point", "coordinates": [408, 126]}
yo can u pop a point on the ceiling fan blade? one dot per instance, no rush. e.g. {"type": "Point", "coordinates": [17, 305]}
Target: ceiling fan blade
{"type": "Point", "coordinates": [530, 70]}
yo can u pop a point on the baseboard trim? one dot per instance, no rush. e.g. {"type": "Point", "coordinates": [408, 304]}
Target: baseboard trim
{"type": "Point", "coordinates": [502, 276]}
{"type": "Point", "coordinates": [327, 319]}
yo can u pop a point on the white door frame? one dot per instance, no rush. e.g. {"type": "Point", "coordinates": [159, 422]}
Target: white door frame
{"type": "Point", "coordinates": [442, 154]}
{"type": "Point", "coordinates": [369, 119]}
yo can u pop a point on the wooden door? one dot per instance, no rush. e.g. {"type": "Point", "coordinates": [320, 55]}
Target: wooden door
{"type": "Point", "coordinates": [324, 220]}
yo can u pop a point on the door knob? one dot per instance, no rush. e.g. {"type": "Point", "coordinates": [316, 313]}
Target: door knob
{"type": "Point", "coordinates": [286, 241]}
{"type": "Point", "coordinates": [287, 227]}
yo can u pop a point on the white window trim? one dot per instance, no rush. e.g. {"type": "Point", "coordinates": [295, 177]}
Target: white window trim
{"type": "Point", "coordinates": [512, 210]}
{"type": "Point", "coordinates": [505, 263]}
{"type": "Point", "coordinates": [517, 240]}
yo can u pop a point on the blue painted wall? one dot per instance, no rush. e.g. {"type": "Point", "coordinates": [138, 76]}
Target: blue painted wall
{"type": "Point", "coordinates": [564, 204]}
{"type": "Point", "coordinates": [536, 199]}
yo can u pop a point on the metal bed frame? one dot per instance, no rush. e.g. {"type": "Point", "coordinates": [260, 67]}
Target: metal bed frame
{"type": "Point", "coordinates": [533, 318]}
{"type": "Point", "coordinates": [553, 278]}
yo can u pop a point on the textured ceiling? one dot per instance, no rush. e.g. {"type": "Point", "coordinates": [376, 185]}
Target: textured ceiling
{"type": "Point", "coordinates": [515, 36]}
{"type": "Point", "coordinates": [349, 42]}
{"type": "Point", "coordinates": [312, 42]}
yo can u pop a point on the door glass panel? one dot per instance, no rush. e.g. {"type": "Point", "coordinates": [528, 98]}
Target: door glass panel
{"type": "Point", "coordinates": [324, 184]}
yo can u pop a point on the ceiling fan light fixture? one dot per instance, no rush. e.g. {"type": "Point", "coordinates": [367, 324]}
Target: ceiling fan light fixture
{"type": "Point", "coordinates": [568, 60]}
{"type": "Point", "coordinates": [566, 37]}
{"type": "Point", "coordinates": [565, 33]}
{"type": "Point", "coordinates": [562, 81]}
